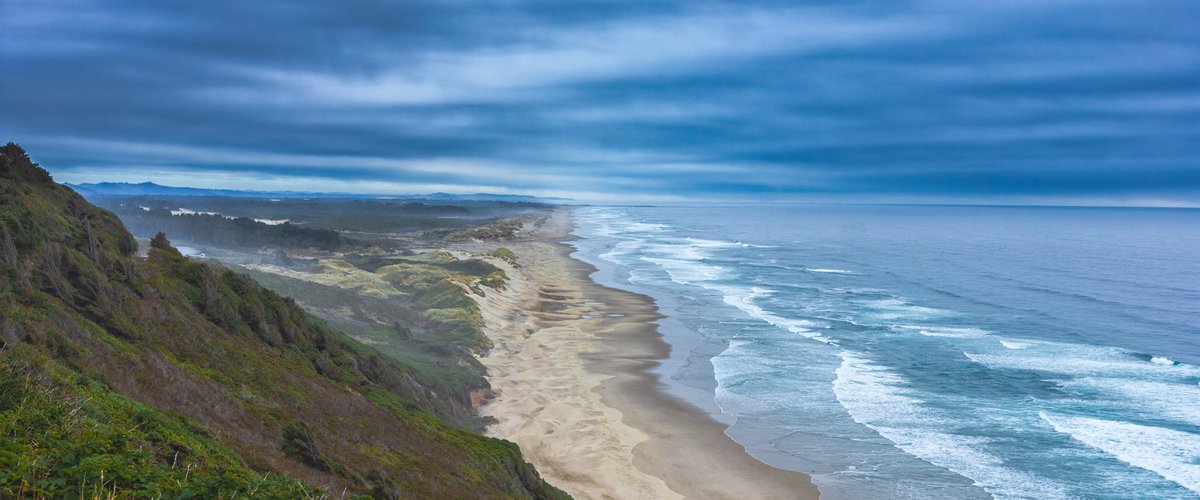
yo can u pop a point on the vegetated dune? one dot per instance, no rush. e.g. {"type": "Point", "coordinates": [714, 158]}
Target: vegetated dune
{"type": "Point", "coordinates": [167, 376]}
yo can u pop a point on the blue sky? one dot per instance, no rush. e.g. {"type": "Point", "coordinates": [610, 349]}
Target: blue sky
{"type": "Point", "coordinates": [1018, 101]}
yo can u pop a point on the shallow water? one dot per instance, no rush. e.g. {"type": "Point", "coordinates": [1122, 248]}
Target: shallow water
{"type": "Point", "coordinates": [931, 352]}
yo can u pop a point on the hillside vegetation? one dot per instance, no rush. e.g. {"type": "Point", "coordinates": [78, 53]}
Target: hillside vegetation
{"type": "Point", "coordinates": [415, 309]}
{"type": "Point", "coordinates": [314, 220]}
{"type": "Point", "coordinates": [228, 232]}
{"type": "Point", "coordinates": [167, 376]}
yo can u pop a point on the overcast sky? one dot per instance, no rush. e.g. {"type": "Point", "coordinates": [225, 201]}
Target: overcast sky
{"type": "Point", "coordinates": [1025, 101]}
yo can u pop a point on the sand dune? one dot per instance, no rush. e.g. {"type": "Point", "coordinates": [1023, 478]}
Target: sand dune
{"type": "Point", "coordinates": [570, 368]}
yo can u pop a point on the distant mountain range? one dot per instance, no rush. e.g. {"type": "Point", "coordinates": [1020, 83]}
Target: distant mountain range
{"type": "Point", "coordinates": [152, 189]}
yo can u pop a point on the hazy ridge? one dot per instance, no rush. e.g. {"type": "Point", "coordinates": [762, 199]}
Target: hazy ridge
{"type": "Point", "coordinates": [166, 376]}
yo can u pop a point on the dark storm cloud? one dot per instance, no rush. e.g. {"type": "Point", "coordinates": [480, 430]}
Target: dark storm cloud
{"type": "Point", "coordinates": [1059, 99]}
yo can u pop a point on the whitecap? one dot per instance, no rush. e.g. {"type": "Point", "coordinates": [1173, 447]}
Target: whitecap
{"type": "Point", "coordinates": [703, 243]}
{"type": "Point", "coordinates": [947, 331]}
{"type": "Point", "coordinates": [1172, 454]}
{"type": "Point", "coordinates": [1161, 360]}
{"type": "Point", "coordinates": [877, 397]}
{"type": "Point", "coordinates": [187, 211]}
{"type": "Point", "coordinates": [674, 251]}
{"type": "Point", "coordinates": [897, 309]}
{"type": "Point", "coordinates": [1081, 360]}
{"type": "Point", "coordinates": [1178, 401]}
{"type": "Point", "coordinates": [743, 298]}
{"type": "Point", "coordinates": [686, 271]}
{"type": "Point", "coordinates": [644, 227]}
{"type": "Point", "coordinates": [622, 249]}
{"type": "Point", "coordinates": [1008, 344]}
{"type": "Point", "coordinates": [827, 270]}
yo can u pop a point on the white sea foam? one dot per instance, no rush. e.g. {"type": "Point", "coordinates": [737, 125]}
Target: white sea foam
{"type": "Point", "coordinates": [676, 251]}
{"type": "Point", "coordinates": [1008, 344]}
{"type": "Point", "coordinates": [757, 378]}
{"type": "Point", "coordinates": [878, 398]}
{"type": "Point", "coordinates": [703, 243]}
{"type": "Point", "coordinates": [706, 243]}
{"type": "Point", "coordinates": [947, 331]}
{"type": "Point", "coordinates": [1172, 454]}
{"type": "Point", "coordinates": [628, 247]}
{"type": "Point", "coordinates": [1112, 382]}
{"type": "Point", "coordinates": [897, 309]}
{"type": "Point", "coordinates": [604, 230]}
{"type": "Point", "coordinates": [686, 271]}
{"type": "Point", "coordinates": [644, 227]}
{"type": "Point", "coordinates": [743, 298]}
{"type": "Point", "coordinates": [1079, 360]}
{"type": "Point", "coordinates": [271, 222]}
{"type": "Point", "coordinates": [187, 211]}
{"type": "Point", "coordinates": [725, 244]}
{"type": "Point", "coordinates": [734, 364]}
{"type": "Point", "coordinates": [144, 209]}
{"type": "Point", "coordinates": [1178, 401]}
{"type": "Point", "coordinates": [599, 221]}
{"type": "Point", "coordinates": [621, 249]}
{"type": "Point", "coordinates": [685, 262]}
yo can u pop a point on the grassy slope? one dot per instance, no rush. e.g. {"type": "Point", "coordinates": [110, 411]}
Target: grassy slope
{"type": "Point", "coordinates": [413, 308]}
{"type": "Point", "coordinates": [65, 434]}
{"type": "Point", "coordinates": [245, 378]}
{"type": "Point", "coordinates": [444, 370]}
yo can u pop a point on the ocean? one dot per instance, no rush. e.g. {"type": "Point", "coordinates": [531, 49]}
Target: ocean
{"type": "Point", "coordinates": [930, 351]}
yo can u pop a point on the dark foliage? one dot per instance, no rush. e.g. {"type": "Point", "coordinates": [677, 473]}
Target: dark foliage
{"type": "Point", "coordinates": [245, 381]}
{"type": "Point", "coordinates": [353, 216]}
{"type": "Point", "coordinates": [236, 233]}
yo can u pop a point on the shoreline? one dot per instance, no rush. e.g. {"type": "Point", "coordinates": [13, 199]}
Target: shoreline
{"type": "Point", "coordinates": [572, 369]}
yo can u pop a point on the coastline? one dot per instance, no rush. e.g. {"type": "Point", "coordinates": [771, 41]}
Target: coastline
{"type": "Point", "coordinates": [571, 368]}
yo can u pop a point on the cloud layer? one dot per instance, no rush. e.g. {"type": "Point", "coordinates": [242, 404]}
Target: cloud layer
{"type": "Point", "coordinates": [1059, 100]}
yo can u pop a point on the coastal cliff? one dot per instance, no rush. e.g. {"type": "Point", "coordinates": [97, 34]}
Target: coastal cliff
{"type": "Point", "coordinates": [123, 375]}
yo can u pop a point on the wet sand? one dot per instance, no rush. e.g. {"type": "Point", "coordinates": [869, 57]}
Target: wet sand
{"type": "Point", "coordinates": [571, 368]}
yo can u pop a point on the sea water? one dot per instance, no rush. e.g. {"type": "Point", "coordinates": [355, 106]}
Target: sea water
{"type": "Point", "coordinates": [930, 352]}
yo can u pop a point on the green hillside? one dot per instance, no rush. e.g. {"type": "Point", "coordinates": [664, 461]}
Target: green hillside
{"type": "Point", "coordinates": [159, 375]}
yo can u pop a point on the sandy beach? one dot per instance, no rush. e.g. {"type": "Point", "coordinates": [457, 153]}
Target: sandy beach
{"type": "Point", "coordinates": [571, 372]}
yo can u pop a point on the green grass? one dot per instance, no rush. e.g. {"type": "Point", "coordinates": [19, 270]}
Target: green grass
{"type": "Point", "coordinates": [124, 377]}
{"type": "Point", "coordinates": [433, 328]}
{"type": "Point", "coordinates": [67, 435]}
